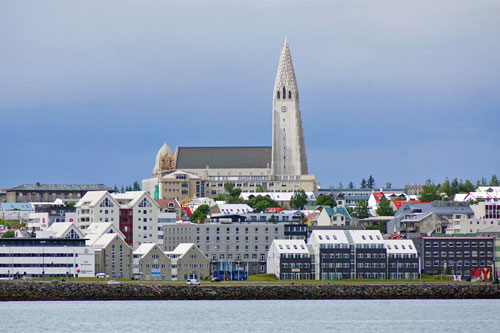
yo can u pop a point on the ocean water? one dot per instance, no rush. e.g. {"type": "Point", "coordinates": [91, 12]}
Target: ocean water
{"type": "Point", "coordinates": [253, 316]}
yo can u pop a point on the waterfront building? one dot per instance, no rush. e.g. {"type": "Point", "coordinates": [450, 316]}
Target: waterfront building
{"type": "Point", "coordinates": [113, 256]}
{"type": "Point", "coordinates": [332, 255]}
{"type": "Point", "coordinates": [290, 259]}
{"type": "Point", "coordinates": [243, 245]}
{"type": "Point", "coordinates": [45, 257]}
{"type": "Point", "coordinates": [468, 257]}
{"type": "Point", "coordinates": [151, 263]}
{"type": "Point", "coordinates": [188, 262]}
{"type": "Point", "coordinates": [402, 259]}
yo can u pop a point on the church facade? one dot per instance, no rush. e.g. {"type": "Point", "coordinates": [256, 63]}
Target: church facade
{"type": "Point", "coordinates": [191, 172]}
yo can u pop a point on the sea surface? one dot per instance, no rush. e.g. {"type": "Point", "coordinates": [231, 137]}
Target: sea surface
{"type": "Point", "coordinates": [253, 316]}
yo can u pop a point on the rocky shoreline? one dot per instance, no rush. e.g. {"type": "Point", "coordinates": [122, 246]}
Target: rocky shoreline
{"type": "Point", "coordinates": [37, 291]}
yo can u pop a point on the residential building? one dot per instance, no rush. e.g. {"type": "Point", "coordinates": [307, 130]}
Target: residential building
{"type": "Point", "coordinates": [402, 259]}
{"type": "Point", "coordinates": [15, 210]}
{"type": "Point", "coordinates": [97, 206]}
{"type": "Point", "coordinates": [188, 262]}
{"type": "Point", "coordinates": [151, 263]}
{"type": "Point", "coordinates": [113, 256]}
{"type": "Point", "coordinates": [332, 255]}
{"type": "Point", "coordinates": [337, 216]}
{"type": "Point", "coordinates": [45, 257]}
{"type": "Point", "coordinates": [138, 217]}
{"type": "Point", "coordinates": [290, 259]}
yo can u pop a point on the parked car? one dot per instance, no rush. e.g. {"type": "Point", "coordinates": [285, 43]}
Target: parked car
{"type": "Point", "coordinates": [215, 279]}
{"type": "Point", "coordinates": [113, 282]}
{"type": "Point", "coordinates": [192, 281]}
{"type": "Point", "coordinates": [101, 275]}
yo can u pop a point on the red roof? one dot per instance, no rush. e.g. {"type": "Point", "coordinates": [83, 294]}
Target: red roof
{"type": "Point", "coordinates": [186, 210]}
{"type": "Point", "coordinates": [399, 203]}
{"type": "Point", "coordinates": [274, 209]}
{"type": "Point", "coordinates": [164, 203]}
{"type": "Point", "coordinates": [378, 195]}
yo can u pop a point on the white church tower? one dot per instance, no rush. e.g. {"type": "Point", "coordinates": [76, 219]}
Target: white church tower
{"type": "Point", "coordinates": [289, 151]}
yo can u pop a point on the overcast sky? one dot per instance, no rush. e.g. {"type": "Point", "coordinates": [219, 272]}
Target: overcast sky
{"type": "Point", "coordinates": [403, 90]}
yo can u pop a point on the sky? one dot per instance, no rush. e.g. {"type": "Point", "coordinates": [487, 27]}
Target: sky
{"type": "Point", "coordinates": [401, 90]}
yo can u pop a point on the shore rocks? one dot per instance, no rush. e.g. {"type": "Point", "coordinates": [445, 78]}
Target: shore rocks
{"type": "Point", "coordinates": [39, 290]}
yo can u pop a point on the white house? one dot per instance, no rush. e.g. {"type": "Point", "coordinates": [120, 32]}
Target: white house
{"type": "Point", "coordinates": [97, 206]}
{"type": "Point", "coordinates": [326, 239]}
{"type": "Point", "coordinates": [283, 249]}
{"type": "Point", "coordinates": [144, 211]}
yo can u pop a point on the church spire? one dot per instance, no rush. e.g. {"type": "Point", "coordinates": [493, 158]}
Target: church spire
{"type": "Point", "coordinates": [286, 75]}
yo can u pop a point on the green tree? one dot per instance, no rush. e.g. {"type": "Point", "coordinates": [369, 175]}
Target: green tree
{"type": "Point", "coordinates": [136, 186]}
{"type": "Point", "coordinates": [261, 203]}
{"type": "Point", "coordinates": [350, 186]}
{"type": "Point", "coordinates": [429, 193]}
{"type": "Point", "coordinates": [466, 187]}
{"type": "Point", "coordinates": [9, 234]}
{"type": "Point", "coordinates": [494, 181]}
{"type": "Point", "coordinates": [363, 183]}
{"type": "Point", "coordinates": [298, 199]}
{"type": "Point", "coordinates": [272, 219]}
{"type": "Point", "coordinates": [232, 194]}
{"type": "Point", "coordinates": [122, 190]}
{"type": "Point", "coordinates": [325, 200]}
{"type": "Point", "coordinates": [446, 188]}
{"type": "Point", "coordinates": [454, 187]}
{"type": "Point", "coordinates": [200, 214]}
{"type": "Point", "coordinates": [371, 182]}
{"type": "Point", "coordinates": [361, 210]}
{"type": "Point", "coordinates": [115, 188]}
{"type": "Point", "coordinates": [219, 197]}
{"type": "Point", "coordinates": [384, 208]}
{"type": "Point", "coordinates": [388, 185]}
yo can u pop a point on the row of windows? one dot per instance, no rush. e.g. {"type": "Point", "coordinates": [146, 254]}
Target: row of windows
{"type": "Point", "coordinates": [295, 265]}
{"type": "Point", "coordinates": [458, 253]}
{"type": "Point", "coordinates": [45, 255]}
{"type": "Point", "coordinates": [459, 244]}
{"type": "Point", "coordinates": [371, 265]}
{"type": "Point", "coordinates": [459, 263]}
{"type": "Point", "coordinates": [237, 230]}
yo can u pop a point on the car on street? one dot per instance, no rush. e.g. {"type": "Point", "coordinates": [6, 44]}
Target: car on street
{"type": "Point", "coordinates": [192, 281]}
{"type": "Point", "coordinates": [113, 282]}
{"type": "Point", "coordinates": [215, 279]}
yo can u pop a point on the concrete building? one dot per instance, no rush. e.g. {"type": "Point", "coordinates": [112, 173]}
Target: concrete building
{"type": "Point", "coordinates": [244, 245]}
{"type": "Point", "coordinates": [45, 257]}
{"type": "Point", "coordinates": [188, 262]}
{"type": "Point", "coordinates": [66, 230]}
{"type": "Point", "coordinates": [467, 257]}
{"type": "Point", "coordinates": [113, 256]}
{"type": "Point", "coordinates": [486, 215]}
{"type": "Point", "coordinates": [151, 263]}
{"type": "Point", "coordinates": [50, 192]}
{"type": "Point", "coordinates": [290, 259]}
{"type": "Point", "coordinates": [402, 259]}
{"type": "Point", "coordinates": [138, 217]}
{"type": "Point", "coordinates": [332, 255]}
{"type": "Point", "coordinates": [97, 206]}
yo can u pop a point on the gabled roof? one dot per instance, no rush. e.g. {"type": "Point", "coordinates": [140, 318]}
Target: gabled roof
{"type": "Point", "coordinates": [182, 249]}
{"type": "Point", "coordinates": [60, 229]}
{"type": "Point", "coordinates": [92, 198]}
{"type": "Point", "coordinates": [337, 211]}
{"type": "Point", "coordinates": [144, 249]}
{"type": "Point", "coordinates": [164, 203]}
{"type": "Point", "coordinates": [366, 236]}
{"type": "Point", "coordinates": [400, 246]}
{"type": "Point", "coordinates": [104, 240]}
{"type": "Point", "coordinates": [131, 198]}
{"type": "Point", "coordinates": [297, 246]}
{"type": "Point", "coordinates": [96, 229]}
{"type": "Point", "coordinates": [399, 203]}
{"type": "Point", "coordinates": [329, 236]}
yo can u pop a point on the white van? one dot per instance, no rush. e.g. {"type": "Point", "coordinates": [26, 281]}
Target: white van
{"type": "Point", "coordinates": [192, 281]}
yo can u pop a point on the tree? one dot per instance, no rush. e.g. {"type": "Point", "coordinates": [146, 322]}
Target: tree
{"type": "Point", "coordinates": [325, 200]}
{"type": "Point", "coordinates": [388, 185]}
{"type": "Point", "coordinates": [350, 186]}
{"type": "Point", "coordinates": [361, 210]}
{"type": "Point", "coordinates": [363, 183]}
{"type": "Point", "coordinates": [259, 189]}
{"type": "Point", "coordinates": [494, 181]}
{"type": "Point", "coordinates": [341, 186]}
{"type": "Point", "coordinates": [137, 187]}
{"type": "Point", "coordinates": [219, 197]}
{"type": "Point", "coordinates": [9, 234]}
{"type": "Point", "coordinates": [200, 214]}
{"type": "Point", "coordinates": [384, 208]}
{"type": "Point", "coordinates": [232, 194]}
{"type": "Point", "coordinates": [298, 200]}
{"type": "Point", "coordinates": [371, 182]}
{"type": "Point", "coordinates": [429, 193]}
{"type": "Point", "coordinates": [261, 203]}
{"type": "Point", "coordinates": [272, 219]}
{"type": "Point", "coordinates": [115, 188]}
{"type": "Point", "coordinates": [446, 188]}
{"type": "Point", "coordinates": [122, 190]}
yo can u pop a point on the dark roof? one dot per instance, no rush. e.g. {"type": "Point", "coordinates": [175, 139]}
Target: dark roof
{"type": "Point", "coordinates": [223, 157]}
{"type": "Point", "coordinates": [61, 187]}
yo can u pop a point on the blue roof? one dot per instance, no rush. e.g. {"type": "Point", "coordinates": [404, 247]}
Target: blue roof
{"type": "Point", "coordinates": [337, 210]}
{"type": "Point", "coordinates": [25, 206]}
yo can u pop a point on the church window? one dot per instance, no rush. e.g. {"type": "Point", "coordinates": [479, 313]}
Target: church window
{"type": "Point", "coordinates": [278, 94]}
{"type": "Point", "coordinates": [289, 94]}
{"type": "Point", "coordinates": [284, 92]}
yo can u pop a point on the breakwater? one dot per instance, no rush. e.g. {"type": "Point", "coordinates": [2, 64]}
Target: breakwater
{"type": "Point", "coordinates": [25, 291]}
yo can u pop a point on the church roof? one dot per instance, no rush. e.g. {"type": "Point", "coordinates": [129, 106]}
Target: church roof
{"type": "Point", "coordinates": [286, 74]}
{"type": "Point", "coordinates": [223, 157]}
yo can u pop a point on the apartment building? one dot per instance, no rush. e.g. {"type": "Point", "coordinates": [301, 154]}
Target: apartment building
{"type": "Point", "coordinates": [290, 259]}
{"type": "Point", "coordinates": [97, 206]}
{"type": "Point", "coordinates": [188, 262]}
